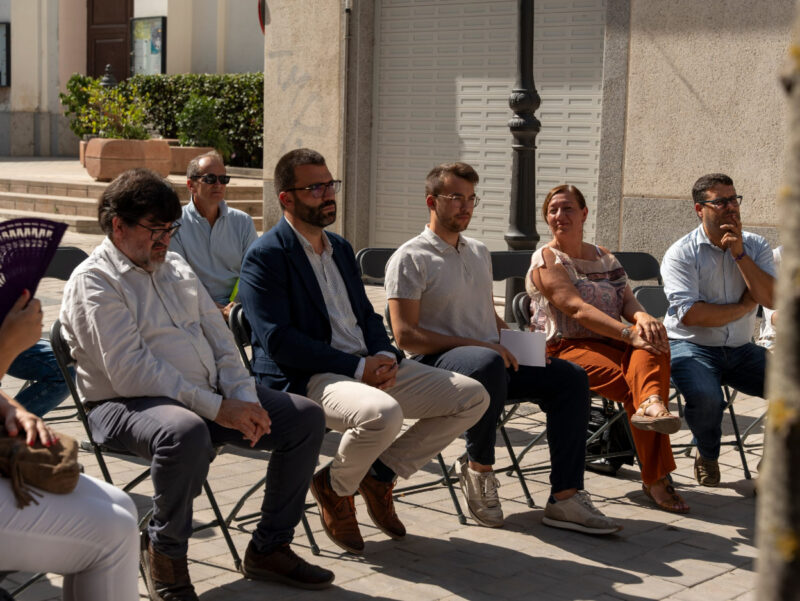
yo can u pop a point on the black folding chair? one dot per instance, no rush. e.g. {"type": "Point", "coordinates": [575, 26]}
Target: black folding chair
{"type": "Point", "coordinates": [640, 266]}
{"type": "Point", "coordinates": [521, 305]}
{"type": "Point", "coordinates": [242, 333]}
{"type": "Point", "coordinates": [655, 302]}
{"type": "Point", "coordinates": [64, 262]}
{"type": "Point", "coordinates": [65, 360]}
{"type": "Point", "coordinates": [372, 263]}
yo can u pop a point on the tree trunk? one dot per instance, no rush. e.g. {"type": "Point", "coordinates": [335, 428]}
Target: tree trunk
{"type": "Point", "coordinates": [778, 524]}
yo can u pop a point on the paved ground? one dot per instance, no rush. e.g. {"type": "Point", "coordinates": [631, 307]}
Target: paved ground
{"type": "Point", "coordinates": [707, 555]}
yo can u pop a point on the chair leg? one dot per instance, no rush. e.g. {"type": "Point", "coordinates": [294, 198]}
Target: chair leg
{"type": "Point", "coordinates": [28, 583]}
{"type": "Point", "coordinates": [312, 542]}
{"type": "Point", "coordinates": [220, 521]}
{"type": "Point", "coordinates": [515, 467]}
{"type": "Point", "coordinates": [449, 483]}
{"type": "Point", "coordinates": [739, 444]}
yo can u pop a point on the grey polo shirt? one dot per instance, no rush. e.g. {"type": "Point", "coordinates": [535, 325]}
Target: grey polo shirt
{"type": "Point", "coordinates": [454, 286]}
{"type": "Point", "coordinates": [215, 254]}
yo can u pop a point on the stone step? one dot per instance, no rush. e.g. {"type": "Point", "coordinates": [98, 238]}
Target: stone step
{"type": "Point", "coordinates": [57, 206]}
{"type": "Point", "coordinates": [77, 223]}
{"type": "Point", "coordinates": [247, 189]}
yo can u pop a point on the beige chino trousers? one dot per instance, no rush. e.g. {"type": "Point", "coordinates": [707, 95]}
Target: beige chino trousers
{"type": "Point", "coordinates": [444, 403]}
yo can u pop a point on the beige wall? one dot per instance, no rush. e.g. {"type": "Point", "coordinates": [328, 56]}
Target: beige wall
{"type": "Point", "coordinates": [704, 96]}
{"type": "Point", "coordinates": [303, 89]}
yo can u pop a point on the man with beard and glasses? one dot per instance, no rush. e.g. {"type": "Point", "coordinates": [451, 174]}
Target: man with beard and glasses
{"type": "Point", "coordinates": [715, 277]}
{"type": "Point", "coordinates": [316, 333]}
{"type": "Point", "coordinates": [213, 237]}
{"type": "Point", "coordinates": [160, 375]}
{"type": "Point", "coordinates": [439, 287]}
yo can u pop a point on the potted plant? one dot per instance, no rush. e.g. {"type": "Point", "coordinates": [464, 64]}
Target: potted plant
{"type": "Point", "coordinates": [114, 120]}
{"type": "Point", "coordinates": [200, 130]}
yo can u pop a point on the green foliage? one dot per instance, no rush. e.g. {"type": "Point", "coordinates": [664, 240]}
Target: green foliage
{"type": "Point", "coordinates": [159, 100]}
{"type": "Point", "coordinates": [104, 112]}
{"type": "Point", "coordinates": [240, 108]}
{"type": "Point", "coordinates": [200, 124]}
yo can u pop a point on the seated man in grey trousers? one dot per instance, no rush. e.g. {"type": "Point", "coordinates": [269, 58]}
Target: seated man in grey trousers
{"type": "Point", "coordinates": [439, 287]}
{"type": "Point", "coordinates": [159, 373]}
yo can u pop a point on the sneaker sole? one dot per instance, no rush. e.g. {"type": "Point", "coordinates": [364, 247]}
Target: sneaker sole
{"type": "Point", "coordinates": [338, 543]}
{"type": "Point", "coordinates": [481, 521]}
{"type": "Point", "coordinates": [274, 577]}
{"type": "Point", "coordinates": [578, 527]}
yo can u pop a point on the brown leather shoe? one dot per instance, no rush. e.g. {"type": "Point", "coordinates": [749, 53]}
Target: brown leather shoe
{"type": "Point", "coordinates": [284, 565]}
{"type": "Point", "coordinates": [167, 579]}
{"type": "Point", "coordinates": [380, 506]}
{"type": "Point", "coordinates": [338, 514]}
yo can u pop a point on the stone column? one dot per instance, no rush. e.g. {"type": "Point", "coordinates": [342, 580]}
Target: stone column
{"type": "Point", "coordinates": [303, 88]}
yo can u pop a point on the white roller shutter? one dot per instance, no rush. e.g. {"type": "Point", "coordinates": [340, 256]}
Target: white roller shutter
{"type": "Point", "coordinates": [444, 72]}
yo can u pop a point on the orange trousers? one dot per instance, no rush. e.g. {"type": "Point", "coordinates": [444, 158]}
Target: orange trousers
{"type": "Point", "coordinates": [626, 375]}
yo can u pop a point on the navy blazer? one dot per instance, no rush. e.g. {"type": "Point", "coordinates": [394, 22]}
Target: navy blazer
{"type": "Point", "coordinates": [286, 310]}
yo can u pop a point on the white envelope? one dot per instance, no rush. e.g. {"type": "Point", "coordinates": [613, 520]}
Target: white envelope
{"type": "Point", "coordinates": [528, 347]}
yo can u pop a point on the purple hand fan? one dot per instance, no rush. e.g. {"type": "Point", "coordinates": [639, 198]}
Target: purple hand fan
{"type": "Point", "coordinates": [27, 246]}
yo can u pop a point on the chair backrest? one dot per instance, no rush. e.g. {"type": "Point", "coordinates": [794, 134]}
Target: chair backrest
{"type": "Point", "coordinates": [510, 264]}
{"type": "Point", "coordinates": [653, 299]}
{"type": "Point", "coordinates": [372, 264]}
{"type": "Point", "coordinates": [640, 266]}
{"type": "Point", "coordinates": [522, 310]}
{"type": "Point", "coordinates": [65, 260]}
{"type": "Point", "coordinates": [240, 327]}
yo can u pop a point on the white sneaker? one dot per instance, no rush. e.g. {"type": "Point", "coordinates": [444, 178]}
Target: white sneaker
{"type": "Point", "coordinates": [480, 490]}
{"type": "Point", "coordinates": [578, 513]}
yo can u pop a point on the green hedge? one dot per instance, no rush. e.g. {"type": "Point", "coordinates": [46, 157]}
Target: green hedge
{"type": "Point", "coordinates": [240, 98]}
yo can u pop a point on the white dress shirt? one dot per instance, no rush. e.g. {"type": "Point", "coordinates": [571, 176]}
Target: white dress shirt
{"type": "Point", "coordinates": [135, 333]}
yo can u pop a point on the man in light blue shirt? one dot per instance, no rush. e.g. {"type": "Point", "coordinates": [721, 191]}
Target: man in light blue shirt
{"type": "Point", "coordinates": [213, 237]}
{"type": "Point", "coordinates": [715, 277]}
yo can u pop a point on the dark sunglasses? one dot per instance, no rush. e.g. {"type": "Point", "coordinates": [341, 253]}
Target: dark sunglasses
{"type": "Point", "coordinates": [212, 178]}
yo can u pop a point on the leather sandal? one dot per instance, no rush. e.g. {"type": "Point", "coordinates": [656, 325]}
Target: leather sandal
{"type": "Point", "coordinates": [674, 505]}
{"type": "Point", "coordinates": [663, 423]}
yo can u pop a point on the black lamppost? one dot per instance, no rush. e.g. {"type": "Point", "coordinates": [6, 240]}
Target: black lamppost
{"type": "Point", "coordinates": [524, 126]}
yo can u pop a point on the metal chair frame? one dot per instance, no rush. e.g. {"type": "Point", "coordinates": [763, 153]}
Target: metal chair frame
{"type": "Point", "coordinates": [64, 360]}
{"type": "Point", "coordinates": [521, 306]}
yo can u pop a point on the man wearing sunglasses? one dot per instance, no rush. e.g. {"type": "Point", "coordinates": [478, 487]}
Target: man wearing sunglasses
{"type": "Point", "coordinates": [315, 333]}
{"type": "Point", "coordinates": [213, 237]}
{"type": "Point", "coordinates": [714, 278]}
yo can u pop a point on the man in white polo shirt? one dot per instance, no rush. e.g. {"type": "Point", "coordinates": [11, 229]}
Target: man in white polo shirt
{"type": "Point", "coordinates": [213, 237]}
{"type": "Point", "coordinates": [439, 287]}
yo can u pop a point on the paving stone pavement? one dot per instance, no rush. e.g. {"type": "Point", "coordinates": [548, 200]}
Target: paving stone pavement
{"type": "Point", "coordinates": [706, 555]}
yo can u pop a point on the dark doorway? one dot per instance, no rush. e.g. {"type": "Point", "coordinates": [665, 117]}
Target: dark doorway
{"type": "Point", "coordinates": [108, 37]}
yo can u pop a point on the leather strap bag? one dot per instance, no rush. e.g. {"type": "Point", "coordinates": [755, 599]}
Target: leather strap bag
{"type": "Point", "coordinates": [53, 469]}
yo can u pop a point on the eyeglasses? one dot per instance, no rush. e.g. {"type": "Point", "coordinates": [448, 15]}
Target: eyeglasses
{"type": "Point", "coordinates": [318, 190]}
{"type": "Point", "coordinates": [212, 178]}
{"type": "Point", "coordinates": [472, 201]}
{"type": "Point", "coordinates": [721, 203]}
{"type": "Point", "coordinates": [157, 233]}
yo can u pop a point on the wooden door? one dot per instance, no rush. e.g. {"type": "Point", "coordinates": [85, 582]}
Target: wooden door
{"type": "Point", "coordinates": [108, 37]}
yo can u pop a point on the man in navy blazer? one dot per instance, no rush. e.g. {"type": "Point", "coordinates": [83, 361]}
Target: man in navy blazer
{"type": "Point", "coordinates": [315, 333]}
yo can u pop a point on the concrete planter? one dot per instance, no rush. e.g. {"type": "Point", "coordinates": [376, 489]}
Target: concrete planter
{"type": "Point", "coordinates": [106, 158]}
{"type": "Point", "coordinates": [181, 155]}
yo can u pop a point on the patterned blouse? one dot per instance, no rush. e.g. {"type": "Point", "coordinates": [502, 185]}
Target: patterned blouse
{"type": "Point", "coordinates": [601, 282]}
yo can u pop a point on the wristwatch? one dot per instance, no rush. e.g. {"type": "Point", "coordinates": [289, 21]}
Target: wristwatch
{"type": "Point", "coordinates": [626, 334]}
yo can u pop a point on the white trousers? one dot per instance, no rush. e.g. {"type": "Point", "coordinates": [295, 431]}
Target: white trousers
{"type": "Point", "coordinates": [90, 536]}
{"type": "Point", "coordinates": [444, 403]}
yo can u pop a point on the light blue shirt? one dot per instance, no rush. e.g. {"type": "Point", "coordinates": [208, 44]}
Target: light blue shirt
{"type": "Point", "coordinates": [215, 254]}
{"type": "Point", "coordinates": [694, 270]}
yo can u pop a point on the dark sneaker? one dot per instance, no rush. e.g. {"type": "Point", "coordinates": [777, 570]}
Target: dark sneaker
{"type": "Point", "coordinates": [380, 506]}
{"type": "Point", "coordinates": [579, 514]}
{"type": "Point", "coordinates": [480, 490]}
{"type": "Point", "coordinates": [338, 514]}
{"type": "Point", "coordinates": [284, 565]}
{"type": "Point", "coordinates": [167, 579]}
{"type": "Point", "coordinates": [706, 471]}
